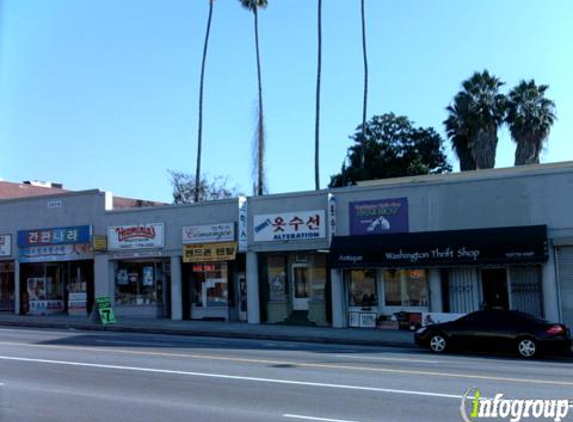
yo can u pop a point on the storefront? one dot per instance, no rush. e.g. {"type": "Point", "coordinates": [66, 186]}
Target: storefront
{"type": "Point", "coordinates": [210, 273]}
{"type": "Point", "coordinates": [457, 271]}
{"type": "Point", "coordinates": [293, 284]}
{"type": "Point", "coordinates": [141, 270]}
{"type": "Point", "coordinates": [56, 270]}
{"type": "Point", "coordinates": [6, 274]}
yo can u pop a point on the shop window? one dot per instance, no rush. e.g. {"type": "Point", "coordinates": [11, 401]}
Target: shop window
{"type": "Point", "coordinates": [276, 278]}
{"type": "Point", "coordinates": [362, 288]}
{"type": "Point", "coordinates": [138, 283]}
{"type": "Point", "coordinates": [209, 285]}
{"type": "Point", "coordinates": [406, 287]}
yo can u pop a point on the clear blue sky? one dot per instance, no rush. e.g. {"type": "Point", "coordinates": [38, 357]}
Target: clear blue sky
{"type": "Point", "coordinates": [104, 93]}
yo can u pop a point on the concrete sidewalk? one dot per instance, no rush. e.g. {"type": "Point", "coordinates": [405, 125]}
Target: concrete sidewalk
{"type": "Point", "coordinates": [356, 336]}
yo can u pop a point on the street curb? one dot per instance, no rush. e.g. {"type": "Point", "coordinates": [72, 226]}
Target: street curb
{"type": "Point", "coordinates": [204, 333]}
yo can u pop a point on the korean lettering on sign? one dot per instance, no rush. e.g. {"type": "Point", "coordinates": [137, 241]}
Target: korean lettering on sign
{"type": "Point", "coordinates": [223, 251]}
{"type": "Point", "coordinates": [302, 225]}
{"type": "Point", "coordinates": [55, 236]}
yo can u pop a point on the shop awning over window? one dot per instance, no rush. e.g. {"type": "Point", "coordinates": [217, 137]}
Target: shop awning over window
{"type": "Point", "coordinates": [503, 245]}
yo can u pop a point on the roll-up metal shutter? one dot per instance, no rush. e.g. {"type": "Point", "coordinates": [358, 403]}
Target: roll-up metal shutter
{"type": "Point", "coordinates": [464, 294]}
{"type": "Point", "coordinates": [565, 269]}
{"type": "Point", "coordinates": [526, 289]}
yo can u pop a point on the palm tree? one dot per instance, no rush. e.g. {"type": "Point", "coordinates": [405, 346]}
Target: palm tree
{"type": "Point", "coordinates": [253, 6]}
{"type": "Point", "coordinates": [458, 135]}
{"type": "Point", "coordinates": [365, 57]}
{"type": "Point", "coordinates": [200, 128]}
{"type": "Point", "coordinates": [530, 116]}
{"type": "Point", "coordinates": [317, 118]}
{"type": "Point", "coordinates": [477, 114]}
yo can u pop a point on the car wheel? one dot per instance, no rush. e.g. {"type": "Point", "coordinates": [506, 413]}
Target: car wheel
{"type": "Point", "coordinates": [438, 343]}
{"type": "Point", "coordinates": [527, 348]}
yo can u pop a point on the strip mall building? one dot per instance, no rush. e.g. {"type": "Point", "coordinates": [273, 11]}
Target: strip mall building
{"type": "Point", "coordinates": [349, 257]}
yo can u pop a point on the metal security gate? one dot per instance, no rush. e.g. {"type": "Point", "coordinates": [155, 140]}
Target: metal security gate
{"type": "Point", "coordinates": [565, 277]}
{"type": "Point", "coordinates": [526, 290]}
{"type": "Point", "coordinates": [464, 291]}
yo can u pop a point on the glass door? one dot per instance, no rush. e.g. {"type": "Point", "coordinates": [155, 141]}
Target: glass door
{"type": "Point", "coordinates": [300, 287]}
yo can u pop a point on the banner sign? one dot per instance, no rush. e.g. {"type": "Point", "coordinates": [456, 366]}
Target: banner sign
{"type": "Point", "coordinates": [105, 310]}
{"type": "Point", "coordinates": [210, 252]}
{"type": "Point", "coordinates": [379, 216]}
{"type": "Point", "coordinates": [243, 228]}
{"type": "Point", "coordinates": [495, 246]}
{"type": "Point", "coordinates": [224, 232]}
{"type": "Point", "coordinates": [301, 225]}
{"type": "Point", "coordinates": [56, 253]}
{"type": "Point", "coordinates": [5, 245]}
{"type": "Point", "coordinates": [331, 217]}
{"type": "Point", "coordinates": [55, 236]}
{"type": "Point", "coordinates": [136, 236]}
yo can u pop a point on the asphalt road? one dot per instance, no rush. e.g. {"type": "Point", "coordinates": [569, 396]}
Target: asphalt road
{"type": "Point", "coordinates": [73, 376]}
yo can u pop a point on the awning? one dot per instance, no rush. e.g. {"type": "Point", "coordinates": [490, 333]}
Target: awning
{"type": "Point", "coordinates": [503, 245]}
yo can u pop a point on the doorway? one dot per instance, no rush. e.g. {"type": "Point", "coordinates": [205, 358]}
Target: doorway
{"type": "Point", "coordinates": [494, 288]}
{"type": "Point", "coordinates": [300, 287]}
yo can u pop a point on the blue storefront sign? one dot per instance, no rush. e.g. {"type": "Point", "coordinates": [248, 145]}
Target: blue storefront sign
{"type": "Point", "coordinates": [379, 216]}
{"type": "Point", "coordinates": [54, 236]}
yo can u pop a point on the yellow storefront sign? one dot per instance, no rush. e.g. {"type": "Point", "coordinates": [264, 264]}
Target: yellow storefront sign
{"type": "Point", "coordinates": [100, 243]}
{"type": "Point", "coordinates": [209, 252]}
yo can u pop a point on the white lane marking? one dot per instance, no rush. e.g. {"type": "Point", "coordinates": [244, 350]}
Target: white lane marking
{"type": "Point", "coordinates": [135, 343]}
{"type": "Point", "coordinates": [387, 358]}
{"type": "Point", "coordinates": [234, 377]}
{"type": "Point", "coordinates": [312, 418]}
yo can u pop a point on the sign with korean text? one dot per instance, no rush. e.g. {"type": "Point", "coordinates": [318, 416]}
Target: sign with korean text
{"type": "Point", "coordinates": [76, 252]}
{"type": "Point", "coordinates": [379, 216]}
{"type": "Point", "coordinates": [105, 310]}
{"type": "Point", "coordinates": [210, 252]}
{"type": "Point", "coordinates": [242, 224]}
{"type": "Point", "coordinates": [301, 225]}
{"type": "Point", "coordinates": [224, 232]}
{"type": "Point", "coordinates": [5, 245]}
{"type": "Point", "coordinates": [136, 236]}
{"type": "Point", "coordinates": [54, 236]}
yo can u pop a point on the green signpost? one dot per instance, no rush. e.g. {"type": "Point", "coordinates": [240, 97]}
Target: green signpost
{"type": "Point", "coordinates": [105, 310]}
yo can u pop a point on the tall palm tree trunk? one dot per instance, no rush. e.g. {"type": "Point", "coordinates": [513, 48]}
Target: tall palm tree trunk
{"type": "Point", "coordinates": [527, 151]}
{"type": "Point", "coordinates": [365, 101]}
{"type": "Point", "coordinates": [317, 119]}
{"type": "Point", "coordinates": [200, 129]}
{"type": "Point", "coordinates": [260, 125]}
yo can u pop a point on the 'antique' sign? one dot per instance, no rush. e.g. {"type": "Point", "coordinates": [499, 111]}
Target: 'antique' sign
{"type": "Point", "coordinates": [224, 232]}
{"type": "Point", "coordinates": [379, 216]}
{"type": "Point", "coordinates": [210, 252]}
{"type": "Point", "coordinates": [301, 225]}
{"type": "Point", "coordinates": [136, 236]}
{"type": "Point", "coordinates": [5, 245]}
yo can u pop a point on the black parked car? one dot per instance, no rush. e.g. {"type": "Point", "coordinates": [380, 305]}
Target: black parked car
{"type": "Point", "coordinates": [500, 330]}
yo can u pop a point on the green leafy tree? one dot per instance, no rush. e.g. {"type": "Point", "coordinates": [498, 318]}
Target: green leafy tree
{"type": "Point", "coordinates": [254, 6]}
{"type": "Point", "coordinates": [474, 119]}
{"type": "Point", "coordinates": [530, 116]}
{"type": "Point", "coordinates": [200, 125]}
{"type": "Point", "coordinates": [209, 189]}
{"type": "Point", "coordinates": [392, 147]}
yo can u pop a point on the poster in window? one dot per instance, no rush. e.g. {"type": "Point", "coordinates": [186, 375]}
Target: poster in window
{"type": "Point", "coordinates": [354, 319]}
{"type": "Point", "coordinates": [122, 277]}
{"type": "Point", "coordinates": [277, 281]}
{"type": "Point", "coordinates": [36, 288]}
{"type": "Point", "coordinates": [148, 276]}
{"type": "Point", "coordinates": [368, 319]}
